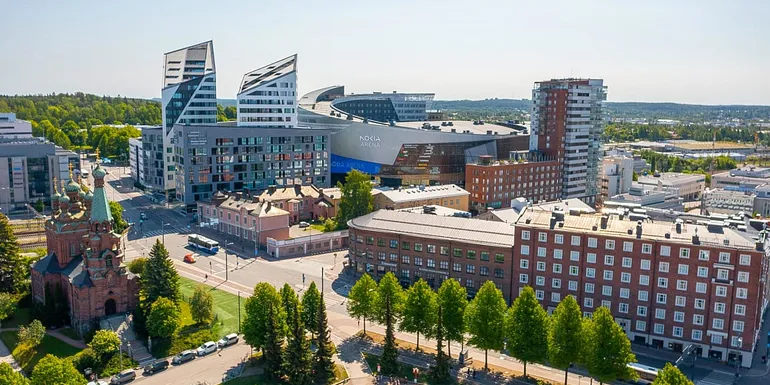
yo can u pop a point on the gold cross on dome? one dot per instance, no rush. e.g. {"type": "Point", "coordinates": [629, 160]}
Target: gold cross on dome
{"type": "Point", "coordinates": [70, 167]}
{"type": "Point", "coordinates": [97, 155]}
{"type": "Point", "coordinates": [55, 187]}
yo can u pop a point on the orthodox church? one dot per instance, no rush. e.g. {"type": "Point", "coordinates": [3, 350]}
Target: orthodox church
{"type": "Point", "coordinates": [85, 256]}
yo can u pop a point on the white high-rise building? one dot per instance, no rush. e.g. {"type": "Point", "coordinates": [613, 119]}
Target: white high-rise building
{"type": "Point", "coordinates": [189, 97]}
{"type": "Point", "coordinates": [567, 123]}
{"type": "Point", "coordinates": [267, 96]}
{"type": "Point", "coordinates": [617, 175]}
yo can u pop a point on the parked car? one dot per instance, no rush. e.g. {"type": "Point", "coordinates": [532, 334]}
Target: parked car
{"type": "Point", "coordinates": [206, 348]}
{"type": "Point", "coordinates": [230, 339]}
{"type": "Point", "coordinates": [155, 367]}
{"type": "Point", "coordinates": [302, 225]}
{"type": "Point", "coordinates": [181, 358]}
{"type": "Point", "coordinates": [123, 377]}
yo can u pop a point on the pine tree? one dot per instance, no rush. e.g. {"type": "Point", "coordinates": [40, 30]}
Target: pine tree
{"type": "Point", "coordinates": [310, 308]}
{"type": "Point", "coordinates": [297, 362]}
{"type": "Point", "coordinates": [273, 345]}
{"type": "Point", "coordinates": [440, 372]}
{"type": "Point", "coordinates": [323, 364]}
{"type": "Point", "coordinates": [13, 276]}
{"type": "Point", "coordinates": [160, 278]}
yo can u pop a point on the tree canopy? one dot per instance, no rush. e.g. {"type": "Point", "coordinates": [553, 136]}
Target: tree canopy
{"type": "Point", "coordinates": [105, 343]}
{"type": "Point", "coordinates": [163, 318]}
{"type": "Point", "coordinates": [256, 319]}
{"type": "Point", "coordinates": [9, 376]}
{"type": "Point", "coordinates": [526, 329]}
{"type": "Point", "coordinates": [565, 335]}
{"type": "Point", "coordinates": [202, 305]}
{"type": "Point", "coordinates": [484, 316]}
{"type": "Point", "coordinates": [420, 310]}
{"type": "Point", "coordinates": [13, 277]}
{"type": "Point", "coordinates": [160, 278]}
{"type": "Point", "coordinates": [671, 375]}
{"type": "Point", "coordinates": [607, 350]}
{"type": "Point", "coordinates": [362, 299]}
{"type": "Point", "coordinates": [356, 199]}
{"type": "Point", "coordinates": [117, 215]}
{"type": "Point", "coordinates": [54, 370]}
{"type": "Point", "coordinates": [310, 301]}
{"type": "Point", "coordinates": [453, 300]}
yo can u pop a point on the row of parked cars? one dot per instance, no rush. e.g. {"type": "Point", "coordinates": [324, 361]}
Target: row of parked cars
{"type": "Point", "coordinates": [129, 375]}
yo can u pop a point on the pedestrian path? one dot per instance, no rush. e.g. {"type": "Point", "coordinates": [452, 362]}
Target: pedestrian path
{"type": "Point", "coordinates": [718, 377]}
{"type": "Point", "coordinates": [155, 233]}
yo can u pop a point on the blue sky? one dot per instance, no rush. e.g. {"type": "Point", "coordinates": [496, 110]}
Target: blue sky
{"type": "Point", "coordinates": [707, 51]}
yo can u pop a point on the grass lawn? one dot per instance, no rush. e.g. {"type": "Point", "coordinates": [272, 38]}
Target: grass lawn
{"type": "Point", "coordinates": [404, 370]}
{"type": "Point", "coordinates": [70, 333]}
{"type": "Point", "coordinates": [21, 317]}
{"type": "Point", "coordinates": [225, 306]}
{"type": "Point", "coordinates": [257, 379]}
{"type": "Point", "coordinates": [29, 358]}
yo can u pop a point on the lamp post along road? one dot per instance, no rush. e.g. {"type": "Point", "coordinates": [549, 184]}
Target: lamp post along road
{"type": "Point", "coordinates": [227, 269]}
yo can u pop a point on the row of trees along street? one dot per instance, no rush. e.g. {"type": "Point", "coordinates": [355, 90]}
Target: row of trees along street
{"type": "Point", "coordinates": [528, 333]}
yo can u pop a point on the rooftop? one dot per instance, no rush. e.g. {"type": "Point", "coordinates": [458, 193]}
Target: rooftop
{"type": "Point", "coordinates": [669, 178]}
{"type": "Point", "coordinates": [435, 210]}
{"type": "Point", "coordinates": [426, 192]}
{"type": "Point", "coordinates": [268, 73]}
{"type": "Point", "coordinates": [715, 236]}
{"type": "Point", "coordinates": [697, 145]}
{"type": "Point", "coordinates": [289, 192]}
{"type": "Point", "coordinates": [253, 205]}
{"type": "Point", "coordinates": [489, 233]}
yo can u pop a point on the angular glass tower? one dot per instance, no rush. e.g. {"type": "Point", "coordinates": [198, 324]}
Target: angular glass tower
{"type": "Point", "coordinates": [267, 96]}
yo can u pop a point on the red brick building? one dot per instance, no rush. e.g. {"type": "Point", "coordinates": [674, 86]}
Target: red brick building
{"type": "Point", "coordinates": [667, 284]}
{"type": "Point", "coordinates": [85, 256]}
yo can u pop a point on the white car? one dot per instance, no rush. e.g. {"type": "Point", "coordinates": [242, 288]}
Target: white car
{"type": "Point", "coordinates": [206, 348]}
{"type": "Point", "coordinates": [228, 340]}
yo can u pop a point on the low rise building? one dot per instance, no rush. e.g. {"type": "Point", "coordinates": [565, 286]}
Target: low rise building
{"type": "Point", "coordinates": [244, 216]}
{"type": "Point", "coordinates": [510, 215]}
{"type": "Point", "coordinates": [762, 201]}
{"type": "Point", "coordinates": [721, 201]}
{"type": "Point", "coordinates": [644, 197]}
{"type": "Point", "coordinates": [450, 195]}
{"type": "Point", "coordinates": [298, 200]}
{"type": "Point", "coordinates": [12, 128]}
{"type": "Point", "coordinates": [742, 179]}
{"type": "Point", "coordinates": [688, 186]}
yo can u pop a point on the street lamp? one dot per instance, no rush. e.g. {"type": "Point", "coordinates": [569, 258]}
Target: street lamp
{"type": "Point", "coordinates": [163, 231]}
{"type": "Point", "coordinates": [226, 268]}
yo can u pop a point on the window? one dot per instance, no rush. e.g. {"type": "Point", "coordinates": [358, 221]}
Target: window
{"type": "Point", "coordinates": [660, 313]}
{"type": "Point", "coordinates": [432, 249]}
{"type": "Point", "coordinates": [609, 244]}
{"type": "Point", "coordinates": [457, 252]}
{"type": "Point", "coordinates": [661, 298]}
{"type": "Point", "coordinates": [741, 293]}
{"type": "Point", "coordinates": [609, 260]}
{"type": "Point", "coordinates": [678, 331]}
{"type": "Point", "coordinates": [641, 311]}
{"type": "Point", "coordinates": [628, 247]}
{"type": "Point", "coordinates": [607, 290]}
{"type": "Point", "coordinates": [700, 303]}
{"type": "Point", "coordinates": [417, 261]}
{"type": "Point", "coordinates": [523, 278]}
{"type": "Point", "coordinates": [697, 319]}
{"type": "Point", "coordinates": [541, 252]}
{"type": "Point", "coordinates": [540, 280]}
{"type": "Point", "coordinates": [405, 245]}
{"type": "Point", "coordinates": [591, 273]}
{"type": "Point", "coordinates": [700, 287]}
{"type": "Point", "coordinates": [443, 250]}
{"type": "Point", "coordinates": [574, 255]}
{"type": "Point", "coordinates": [484, 256]}
{"type": "Point", "coordinates": [542, 237]}
{"type": "Point", "coordinates": [443, 265]}
{"type": "Point", "coordinates": [573, 285]}
{"type": "Point", "coordinates": [623, 308]}
{"type": "Point", "coordinates": [557, 268]}
{"type": "Point", "coordinates": [663, 267]}
{"type": "Point", "coordinates": [659, 328]}
{"type": "Point", "coordinates": [393, 243]}
{"type": "Point", "coordinates": [556, 283]}
{"type": "Point", "coordinates": [718, 324]}
{"type": "Point", "coordinates": [703, 271]}
{"type": "Point", "coordinates": [592, 243]}
{"type": "Point", "coordinates": [680, 301]}
{"type": "Point", "coordinates": [589, 288]}
{"type": "Point", "coordinates": [644, 280]}
{"type": "Point", "coordinates": [716, 339]}
{"type": "Point", "coordinates": [405, 273]}
{"type": "Point", "coordinates": [665, 251]}
{"type": "Point", "coordinates": [740, 310]}
{"type": "Point", "coordinates": [369, 240]}
{"type": "Point", "coordinates": [684, 253]}
{"type": "Point", "coordinates": [607, 304]}
{"type": "Point", "coordinates": [625, 277]}
{"type": "Point", "coordinates": [540, 266]}
{"type": "Point", "coordinates": [575, 240]}
{"type": "Point", "coordinates": [573, 270]}
{"type": "Point", "coordinates": [724, 257]}
{"type": "Point", "coordinates": [703, 255]}
{"type": "Point", "coordinates": [469, 283]}
{"type": "Point", "coordinates": [539, 294]}
{"type": "Point", "coordinates": [736, 342]}
{"type": "Point", "coordinates": [645, 264]}
{"type": "Point", "coordinates": [641, 326]}
{"type": "Point", "coordinates": [646, 248]}
{"type": "Point", "coordinates": [642, 295]}
{"type": "Point", "coordinates": [499, 258]}
{"type": "Point", "coordinates": [558, 253]}
{"type": "Point", "coordinates": [678, 316]}
{"type": "Point", "coordinates": [743, 276]}
{"type": "Point", "coordinates": [625, 292]}
{"type": "Point", "coordinates": [499, 273]}
{"type": "Point", "coordinates": [737, 326]}
{"type": "Point", "coordinates": [524, 264]}
{"type": "Point", "coordinates": [431, 263]}
{"type": "Point", "coordinates": [721, 291]}
{"type": "Point", "coordinates": [555, 297]}
{"type": "Point", "coordinates": [418, 247]}
{"type": "Point", "coordinates": [608, 275]}
{"type": "Point", "coordinates": [525, 235]}
{"type": "Point", "coordinates": [591, 258]}
{"type": "Point", "coordinates": [697, 335]}
{"type": "Point", "coordinates": [683, 269]}
{"type": "Point", "coordinates": [405, 259]}
{"type": "Point", "coordinates": [558, 239]}
{"type": "Point", "coordinates": [381, 255]}
{"type": "Point", "coordinates": [393, 257]}
{"type": "Point", "coordinates": [681, 285]}
{"type": "Point", "coordinates": [588, 302]}
{"type": "Point", "coordinates": [745, 260]}
{"type": "Point", "coordinates": [524, 249]}
{"type": "Point", "coordinates": [470, 254]}
{"type": "Point", "coordinates": [627, 262]}
{"type": "Point", "coordinates": [470, 269]}
{"type": "Point", "coordinates": [663, 282]}
{"type": "Point", "coordinates": [719, 307]}
{"type": "Point", "coordinates": [457, 266]}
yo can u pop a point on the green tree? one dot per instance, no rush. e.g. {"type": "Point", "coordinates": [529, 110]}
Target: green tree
{"type": "Point", "coordinates": [453, 300]}
{"type": "Point", "coordinates": [39, 206]}
{"type": "Point", "coordinates": [440, 372]}
{"type": "Point", "coordinates": [290, 302]}
{"type": "Point", "coordinates": [362, 299]}
{"type": "Point", "coordinates": [389, 305]}
{"type": "Point", "coordinates": [310, 301]}
{"type": "Point", "coordinates": [117, 215]}
{"type": "Point", "coordinates": [526, 329]}
{"type": "Point", "coordinates": [272, 342]}
{"type": "Point", "coordinates": [671, 375]}
{"type": "Point", "coordinates": [163, 318]}
{"type": "Point", "coordinates": [565, 335]}
{"type": "Point", "coordinates": [12, 273]}
{"type": "Point", "coordinates": [160, 278]}
{"type": "Point", "coordinates": [32, 334]}
{"type": "Point", "coordinates": [419, 314]}
{"type": "Point", "coordinates": [607, 350]}
{"type": "Point", "coordinates": [202, 305]}
{"type": "Point", "coordinates": [356, 199]}
{"type": "Point", "coordinates": [105, 344]}
{"type": "Point", "coordinates": [8, 303]}
{"type": "Point", "coordinates": [484, 317]}
{"type": "Point", "coordinates": [54, 370]}
{"type": "Point", "coordinates": [256, 317]}
{"type": "Point", "coordinates": [297, 362]}
{"type": "Point", "coordinates": [137, 265]}
{"type": "Point", "coordinates": [323, 363]}
{"type": "Point", "coordinates": [11, 377]}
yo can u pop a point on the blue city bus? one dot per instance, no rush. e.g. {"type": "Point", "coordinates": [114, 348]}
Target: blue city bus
{"type": "Point", "coordinates": [202, 243]}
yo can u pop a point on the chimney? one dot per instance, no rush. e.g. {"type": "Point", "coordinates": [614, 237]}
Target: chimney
{"type": "Point", "coordinates": [638, 229]}
{"type": "Point", "coordinates": [604, 221]}
{"type": "Point", "coordinates": [271, 189]}
{"type": "Point", "coordinates": [553, 221]}
{"type": "Point", "coordinates": [238, 195]}
{"type": "Point", "coordinates": [695, 239]}
{"type": "Point", "coordinates": [255, 199]}
{"type": "Point", "coordinates": [678, 226]}
{"type": "Point", "coordinates": [269, 206]}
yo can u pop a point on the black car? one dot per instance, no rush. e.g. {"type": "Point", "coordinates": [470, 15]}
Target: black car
{"type": "Point", "coordinates": [155, 367]}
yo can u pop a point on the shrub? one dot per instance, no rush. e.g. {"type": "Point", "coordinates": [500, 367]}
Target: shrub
{"type": "Point", "coordinates": [136, 266]}
{"type": "Point", "coordinates": [33, 334]}
{"type": "Point", "coordinates": [330, 225]}
{"type": "Point", "coordinates": [87, 358]}
{"type": "Point", "coordinates": [113, 365]}
{"type": "Point", "coordinates": [105, 344]}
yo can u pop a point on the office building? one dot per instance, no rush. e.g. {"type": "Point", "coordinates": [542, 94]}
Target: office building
{"type": "Point", "coordinates": [267, 96]}
{"type": "Point", "coordinates": [494, 184]}
{"type": "Point", "coordinates": [617, 176]}
{"type": "Point", "coordinates": [667, 284]}
{"type": "Point", "coordinates": [640, 164]}
{"type": "Point", "coordinates": [188, 97]}
{"type": "Point", "coordinates": [742, 179]}
{"type": "Point", "coordinates": [722, 201]}
{"type": "Point", "coordinates": [11, 128]}
{"type": "Point", "coordinates": [687, 186]}
{"type": "Point", "coordinates": [136, 160]}
{"type": "Point", "coordinates": [567, 123]}
{"type": "Point", "coordinates": [451, 196]}
{"type": "Point", "coordinates": [645, 196]}
{"type": "Point", "coordinates": [511, 214]}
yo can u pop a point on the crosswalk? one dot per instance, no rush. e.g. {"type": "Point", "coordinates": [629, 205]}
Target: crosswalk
{"type": "Point", "coordinates": [155, 233]}
{"type": "Point", "coordinates": [717, 377]}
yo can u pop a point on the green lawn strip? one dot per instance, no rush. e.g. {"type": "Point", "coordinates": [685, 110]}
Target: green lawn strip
{"type": "Point", "coordinates": [20, 317]}
{"type": "Point", "coordinates": [28, 359]}
{"type": "Point", "coordinates": [225, 306]}
{"type": "Point", "coordinates": [258, 379]}
{"type": "Point", "coordinates": [339, 373]}
{"type": "Point", "coordinates": [70, 333]}
{"type": "Point", "coordinates": [404, 370]}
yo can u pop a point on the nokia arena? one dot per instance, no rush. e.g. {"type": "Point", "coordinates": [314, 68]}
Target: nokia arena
{"type": "Point", "coordinates": [397, 138]}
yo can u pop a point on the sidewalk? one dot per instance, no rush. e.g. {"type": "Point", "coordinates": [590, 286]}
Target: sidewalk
{"type": "Point", "coordinates": [52, 333]}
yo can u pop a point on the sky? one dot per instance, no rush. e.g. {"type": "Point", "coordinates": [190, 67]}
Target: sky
{"type": "Point", "coordinates": [686, 51]}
